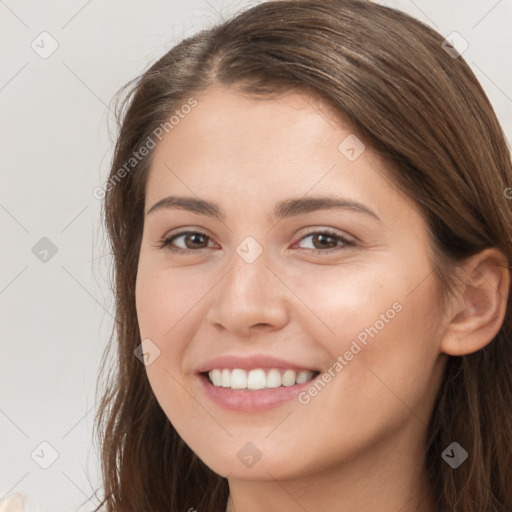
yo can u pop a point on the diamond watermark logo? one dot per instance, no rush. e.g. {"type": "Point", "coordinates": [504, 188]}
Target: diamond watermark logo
{"type": "Point", "coordinates": [249, 249]}
{"type": "Point", "coordinates": [44, 455]}
{"type": "Point", "coordinates": [44, 45]}
{"type": "Point", "coordinates": [454, 455]}
{"type": "Point", "coordinates": [351, 148]}
{"type": "Point", "coordinates": [455, 45]}
{"type": "Point", "coordinates": [44, 250]}
{"type": "Point", "coordinates": [249, 455]}
{"type": "Point", "coordinates": [147, 352]}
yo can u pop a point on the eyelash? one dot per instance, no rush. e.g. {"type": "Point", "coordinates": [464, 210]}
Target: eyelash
{"type": "Point", "coordinates": [166, 242]}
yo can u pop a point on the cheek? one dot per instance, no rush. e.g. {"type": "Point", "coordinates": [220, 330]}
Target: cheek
{"type": "Point", "coordinates": [164, 308]}
{"type": "Point", "coordinates": [379, 329]}
{"type": "Point", "coordinates": [169, 305]}
{"type": "Point", "coordinates": [344, 301]}
{"type": "Point", "coordinates": [165, 300]}
{"type": "Point", "coordinates": [166, 297]}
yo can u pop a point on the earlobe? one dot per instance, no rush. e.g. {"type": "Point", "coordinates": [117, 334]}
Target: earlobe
{"type": "Point", "coordinates": [480, 306]}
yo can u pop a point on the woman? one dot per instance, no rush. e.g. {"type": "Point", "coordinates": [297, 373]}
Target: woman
{"type": "Point", "coordinates": [312, 248]}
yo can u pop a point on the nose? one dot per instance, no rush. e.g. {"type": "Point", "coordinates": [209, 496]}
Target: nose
{"type": "Point", "coordinates": [249, 298]}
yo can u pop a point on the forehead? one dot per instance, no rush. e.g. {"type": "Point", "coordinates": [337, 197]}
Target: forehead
{"type": "Point", "coordinates": [291, 134]}
{"type": "Point", "coordinates": [234, 146]}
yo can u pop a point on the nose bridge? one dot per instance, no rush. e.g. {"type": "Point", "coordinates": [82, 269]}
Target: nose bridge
{"type": "Point", "coordinates": [249, 294]}
{"type": "Point", "coordinates": [249, 274]}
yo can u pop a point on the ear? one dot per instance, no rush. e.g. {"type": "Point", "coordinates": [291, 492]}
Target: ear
{"type": "Point", "coordinates": [480, 303]}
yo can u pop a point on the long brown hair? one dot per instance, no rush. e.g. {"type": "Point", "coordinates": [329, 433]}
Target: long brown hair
{"type": "Point", "coordinates": [425, 113]}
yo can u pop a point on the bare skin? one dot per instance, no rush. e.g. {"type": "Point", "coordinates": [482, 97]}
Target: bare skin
{"type": "Point", "coordinates": [357, 445]}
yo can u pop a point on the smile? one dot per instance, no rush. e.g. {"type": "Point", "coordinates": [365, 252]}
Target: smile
{"type": "Point", "coordinates": [256, 390]}
{"type": "Point", "coordinates": [258, 378]}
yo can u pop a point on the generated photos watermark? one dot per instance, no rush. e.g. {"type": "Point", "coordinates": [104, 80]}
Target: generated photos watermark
{"type": "Point", "coordinates": [318, 384]}
{"type": "Point", "coordinates": [146, 147]}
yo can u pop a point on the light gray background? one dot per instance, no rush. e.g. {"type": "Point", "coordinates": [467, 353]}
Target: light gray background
{"type": "Point", "coordinates": [57, 315]}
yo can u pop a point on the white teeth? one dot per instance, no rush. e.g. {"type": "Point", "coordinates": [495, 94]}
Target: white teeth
{"type": "Point", "coordinates": [239, 379]}
{"type": "Point", "coordinates": [226, 380]}
{"type": "Point", "coordinates": [273, 378]}
{"type": "Point", "coordinates": [288, 378]}
{"type": "Point", "coordinates": [258, 378]}
{"type": "Point", "coordinates": [216, 377]}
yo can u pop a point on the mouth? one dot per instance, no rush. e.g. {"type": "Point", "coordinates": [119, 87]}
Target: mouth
{"type": "Point", "coordinates": [252, 383]}
{"type": "Point", "coordinates": [257, 378]}
{"type": "Point", "coordinates": [256, 390]}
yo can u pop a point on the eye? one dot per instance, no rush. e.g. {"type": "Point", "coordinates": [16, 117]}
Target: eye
{"type": "Point", "coordinates": [326, 240]}
{"type": "Point", "coordinates": [195, 241]}
{"type": "Point", "coordinates": [194, 238]}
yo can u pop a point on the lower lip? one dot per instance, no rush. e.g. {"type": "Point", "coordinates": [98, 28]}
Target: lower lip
{"type": "Point", "coordinates": [251, 400]}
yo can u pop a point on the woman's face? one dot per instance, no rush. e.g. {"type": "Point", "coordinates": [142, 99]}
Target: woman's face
{"type": "Point", "coordinates": [361, 310]}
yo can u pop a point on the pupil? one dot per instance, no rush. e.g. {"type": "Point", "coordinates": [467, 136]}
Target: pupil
{"type": "Point", "coordinates": [324, 236]}
{"type": "Point", "coordinates": [193, 237]}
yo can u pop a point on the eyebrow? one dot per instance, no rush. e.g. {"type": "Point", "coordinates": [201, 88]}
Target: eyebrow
{"type": "Point", "coordinates": [284, 209]}
{"type": "Point", "coordinates": [287, 208]}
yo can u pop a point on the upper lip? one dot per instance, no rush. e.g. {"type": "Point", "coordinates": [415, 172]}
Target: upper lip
{"type": "Point", "coordinates": [250, 362]}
